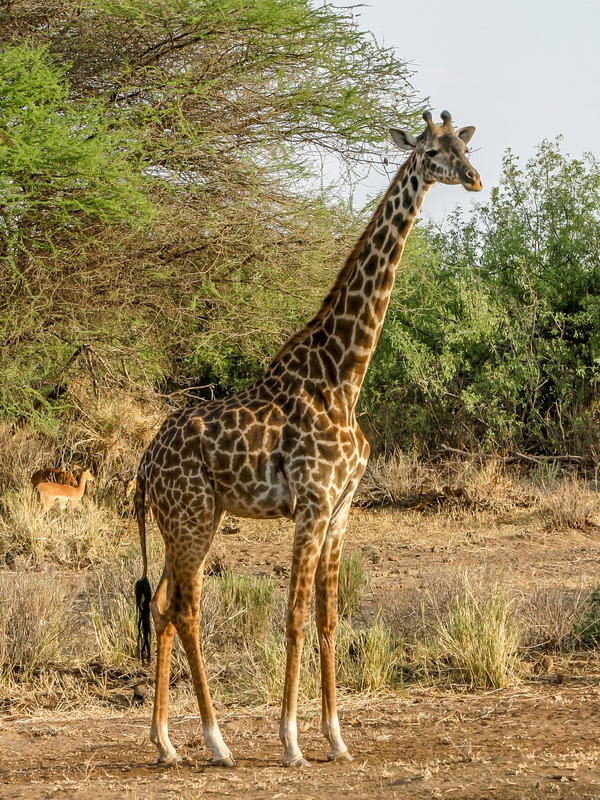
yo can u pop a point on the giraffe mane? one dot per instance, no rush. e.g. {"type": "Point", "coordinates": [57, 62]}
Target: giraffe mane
{"type": "Point", "coordinates": [343, 274]}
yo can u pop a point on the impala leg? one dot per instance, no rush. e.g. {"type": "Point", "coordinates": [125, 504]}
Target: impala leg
{"type": "Point", "coordinates": [326, 607]}
{"type": "Point", "coordinates": [165, 633]}
{"type": "Point", "coordinates": [307, 546]}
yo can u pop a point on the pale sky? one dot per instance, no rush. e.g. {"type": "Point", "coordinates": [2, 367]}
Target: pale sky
{"type": "Point", "coordinates": [519, 70]}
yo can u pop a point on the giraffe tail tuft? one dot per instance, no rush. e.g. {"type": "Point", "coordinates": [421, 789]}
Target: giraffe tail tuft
{"type": "Point", "coordinates": [143, 595]}
{"type": "Point", "coordinates": [143, 592]}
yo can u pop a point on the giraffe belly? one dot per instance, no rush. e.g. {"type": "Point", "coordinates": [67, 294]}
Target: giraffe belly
{"type": "Point", "coordinates": [257, 500]}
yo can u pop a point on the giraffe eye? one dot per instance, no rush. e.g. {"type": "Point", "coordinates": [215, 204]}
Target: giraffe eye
{"type": "Point", "coordinates": [431, 153]}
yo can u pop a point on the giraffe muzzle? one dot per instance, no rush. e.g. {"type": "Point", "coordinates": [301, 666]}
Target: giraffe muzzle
{"type": "Point", "coordinates": [471, 180]}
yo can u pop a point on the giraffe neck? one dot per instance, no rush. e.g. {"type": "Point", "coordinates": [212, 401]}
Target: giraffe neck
{"type": "Point", "coordinates": [332, 353]}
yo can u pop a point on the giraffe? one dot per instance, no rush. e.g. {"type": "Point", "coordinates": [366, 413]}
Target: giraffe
{"type": "Point", "coordinates": [287, 446]}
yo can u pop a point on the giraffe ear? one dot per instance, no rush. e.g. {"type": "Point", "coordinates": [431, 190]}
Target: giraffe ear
{"type": "Point", "coordinates": [465, 133]}
{"type": "Point", "coordinates": [403, 139]}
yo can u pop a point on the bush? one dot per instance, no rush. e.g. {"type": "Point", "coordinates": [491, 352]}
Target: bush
{"type": "Point", "coordinates": [493, 333]}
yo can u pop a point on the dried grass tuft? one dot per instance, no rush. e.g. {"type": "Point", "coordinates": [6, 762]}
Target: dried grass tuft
{"type": "Point", "coordinates": [477, 636]}
{"type": "Point", "coordinates": [570, 504]}
{"type": "Point", "coordinates": [36, 614]}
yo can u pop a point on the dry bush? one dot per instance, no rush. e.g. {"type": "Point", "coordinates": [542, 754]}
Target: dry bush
{"type": "Point", "coordinates": [36, 617]}
{"type": "Point", "coordinates": [21, 454]}
{"type": "Point", "coordinates": [555, 620]}
{"type": "Point", "coordinates": [395, 480]}
{"type": "Point", "coordinates": [570, 503]}
{"type": "Point", "coordinates": [454, 484]}
{"type": "Point", "coordinates": [106, 434]}
{"type": "Point", "coordinates": [485, 485]}
{"type": "Point", "coordinates": [112, 431]}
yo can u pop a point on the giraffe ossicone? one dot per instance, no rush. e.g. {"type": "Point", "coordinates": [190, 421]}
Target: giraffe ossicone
{"type": "Point", "coordinates": [287, 446]}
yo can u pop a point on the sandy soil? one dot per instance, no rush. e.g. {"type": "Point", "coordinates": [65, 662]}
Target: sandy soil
{"type": "Point", "coordinates": [540, 739]}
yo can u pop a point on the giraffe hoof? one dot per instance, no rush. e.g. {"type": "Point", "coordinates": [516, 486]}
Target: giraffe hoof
{"type": "Point", "coordinates": [169, 761]}
{"type": "Point", "coordinates": [228, 761]}
{"type": "Point", "coordinates": [300, 761]}
{"type": "Point", "coordinates": [339, 757]}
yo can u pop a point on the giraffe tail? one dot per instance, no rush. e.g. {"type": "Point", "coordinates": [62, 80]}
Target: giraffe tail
{"type": "Point", "coordinates": [143, 592]}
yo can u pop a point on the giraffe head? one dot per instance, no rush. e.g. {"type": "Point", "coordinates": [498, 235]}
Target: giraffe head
{"type": "Point", "coordinates": [441, 152]}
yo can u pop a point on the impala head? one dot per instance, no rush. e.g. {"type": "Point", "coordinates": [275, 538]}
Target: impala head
{"type": "Point", "coordinates": [442, 152]}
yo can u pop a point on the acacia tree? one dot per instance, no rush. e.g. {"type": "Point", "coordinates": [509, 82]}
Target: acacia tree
{"type": "Point", "coordinates": [180, 238]}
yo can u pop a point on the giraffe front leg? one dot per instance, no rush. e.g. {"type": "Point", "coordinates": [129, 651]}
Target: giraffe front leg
{"type": "Point", "coordinates": [327, 618]}
{"type": "Point", "coordinates": [288, 727]}
{"type": "Point", "coordinates": [307, 546]}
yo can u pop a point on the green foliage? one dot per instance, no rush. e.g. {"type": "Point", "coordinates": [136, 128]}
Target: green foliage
{"type": "Point", "coordinates": [64, 175]}
{"type": "Point", "coordinates": [60, 165]}
{"type": "Point", "coordinates": [493, 335]}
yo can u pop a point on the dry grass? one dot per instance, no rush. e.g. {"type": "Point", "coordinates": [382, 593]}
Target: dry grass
{"type": "Point", "coordinates": [477, 636]}
{"type": "Point", "coordinates": [554, 620]}
{"type": "Point", "coordinates": [78, 538]}
{"type": "Point", "coordinates": [248, 603]}
{"type": "Point", "coordinates": [464, 628]}
{"type": "Point", "coordinates": [36, 617]}
{"type": "Point", "coordinates": [353, 583]}
{"type": "Point", "coordinates": [81, 619]}
{"type": "Point", "coordinates": [570, 503]}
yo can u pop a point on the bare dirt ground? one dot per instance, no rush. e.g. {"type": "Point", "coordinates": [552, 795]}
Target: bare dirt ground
{"type": "Point", "coordinates": [539, 739]}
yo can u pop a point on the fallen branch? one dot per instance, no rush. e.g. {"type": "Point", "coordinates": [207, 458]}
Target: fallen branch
{"type": "Point", "coordinates": [515, 457]}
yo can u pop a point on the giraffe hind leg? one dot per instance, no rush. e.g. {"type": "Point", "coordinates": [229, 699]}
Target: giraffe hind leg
{"type": "Point", "coordinates": [187, 543]}
{"type": "Point", "coordinates": [326, 609]}
{"type": "Point", "coordinates": [165, 633]}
